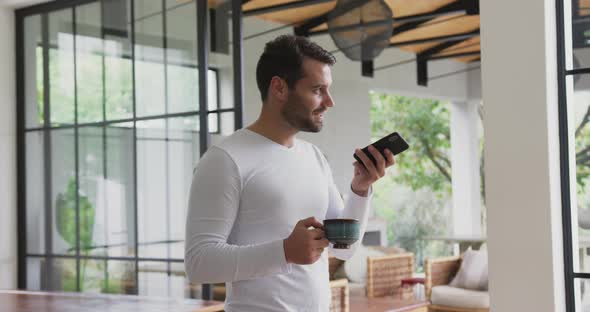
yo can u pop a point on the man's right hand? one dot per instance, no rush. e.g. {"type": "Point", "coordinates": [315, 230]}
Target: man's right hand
{"type": "Point", "coordinates": [304, 245]}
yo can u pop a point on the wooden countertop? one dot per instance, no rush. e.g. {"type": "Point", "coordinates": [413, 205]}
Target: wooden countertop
{"type": "Point", "coordinates": [31, 301]}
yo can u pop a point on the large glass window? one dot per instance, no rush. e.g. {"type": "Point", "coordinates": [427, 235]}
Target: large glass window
{"type": "Point", "coordinates": [112, 129]}
{"type": "Point", "coordinates": [417, 198]}
{"type": "Point", "coordinates": [573, 29]}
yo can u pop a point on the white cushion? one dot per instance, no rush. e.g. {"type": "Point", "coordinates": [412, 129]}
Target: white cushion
{"type": "Point", "coordinates": [473, 273]}
{"type": "Point", "coordinates": [459, 298]}
{"type": "Point", "coordinates": [355, 268]}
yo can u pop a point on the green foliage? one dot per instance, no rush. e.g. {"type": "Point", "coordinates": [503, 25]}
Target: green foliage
{"type": "Point", "coordinates": [411, 216]}
{"type": "Point", "coordinates": [90, 90]}
{"type": "Point", "coordinates": [583, 154]}
{"type": "Point", "coordinates": [66, 217]}
{"type": "Point", "coordinates": [111, 286]}
{"type": "Point", "coordinates": [425, 125]}
{"type": "Point", "coordinates": [413, 196]}
{"type": "Point", "coordinates": [94, 277]}
{"type": "Point", "coordinates": [69, 280]}
{"type": "Point", "coordinates": [61, 87]}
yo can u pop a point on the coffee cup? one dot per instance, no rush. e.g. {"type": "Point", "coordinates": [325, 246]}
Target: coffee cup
{"type": "Point", "coordinates": [342, 232]}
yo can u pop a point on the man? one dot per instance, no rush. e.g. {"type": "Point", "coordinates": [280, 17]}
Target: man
{"type": "Point", "coordinates": [258, 198]}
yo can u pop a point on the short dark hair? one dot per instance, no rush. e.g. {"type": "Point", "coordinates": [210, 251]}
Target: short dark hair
{"type": "Point", "coordinates": [283, 57]}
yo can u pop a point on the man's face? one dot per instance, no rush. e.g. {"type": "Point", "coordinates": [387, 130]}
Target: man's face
{"type": "Point", "coordinates": [310, 98]}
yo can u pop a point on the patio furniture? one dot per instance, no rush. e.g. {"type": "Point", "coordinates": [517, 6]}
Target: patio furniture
{"type": "Point", "coordinates": [340, 297]}
{"type": "Point", "coordinates": [439, 273]}
{"type": "Point", "coordinates": [384, 274]}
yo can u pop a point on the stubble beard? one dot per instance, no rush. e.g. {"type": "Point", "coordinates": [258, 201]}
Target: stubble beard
{"type": "Point", "coordinates": [297, 117]}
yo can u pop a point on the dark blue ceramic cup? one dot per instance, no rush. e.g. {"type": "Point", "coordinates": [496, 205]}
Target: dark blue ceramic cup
{"type": "Point", "coordinates": [342, 232]}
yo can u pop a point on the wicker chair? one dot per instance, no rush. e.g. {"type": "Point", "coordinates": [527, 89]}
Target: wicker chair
{"type": "Point", "coordinates": [384, 274]}
{"type": "Point", "coordinates": [441, 271]}
{"type": "Point", "coordinates": [340, 300]}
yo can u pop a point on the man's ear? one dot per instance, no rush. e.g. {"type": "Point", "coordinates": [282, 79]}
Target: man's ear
{"type": "Point", "coordinates": [279, 88]}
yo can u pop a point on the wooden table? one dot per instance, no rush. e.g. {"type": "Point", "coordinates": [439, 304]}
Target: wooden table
{"type": "Point", "coordinates": [386, 304]}
{"type": "Point", "coordinates": [29, 301]}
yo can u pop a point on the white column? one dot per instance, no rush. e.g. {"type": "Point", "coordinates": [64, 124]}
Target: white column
{"type": "Point", "coordinates": [8, 258]}
{"type": "Point", "coordinates": [465, 173]}
{"type": "Point", "coordinates": [519, 76]}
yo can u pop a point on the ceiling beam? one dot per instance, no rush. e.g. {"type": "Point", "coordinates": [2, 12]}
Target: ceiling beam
{"type": "Point", "coordinates": [438, 48]}
{"type": "Point", "coordinates": [472, 6]}
{"type": "Point", "coordinates": [422, 64]}
{"type": "Point", "coordinates": [451, 8]}
{"type": "Point", "coordinates": [282, 7]}
{"type": "Point", "coordinates": [422, 61]}
{"type": "Point", "coordinates": [453, 37]}
{"type": "Point", "coordinates": [454, 55]}
{"type": "Point", "coordinates": [423, 57]}
{"type": "Point", "coordinates": [422, 71]}
{"type": "Point", "coordinates": [367, 68]}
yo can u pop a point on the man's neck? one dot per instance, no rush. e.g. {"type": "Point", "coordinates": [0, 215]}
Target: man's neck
{"type": "Point", "coordinates": [273, 127]}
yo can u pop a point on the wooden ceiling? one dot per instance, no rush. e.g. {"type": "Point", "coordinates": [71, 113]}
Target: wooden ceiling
{"type": "Point", "coordinates": [291, 16]}
{"type": "Point", "coordinates": [412, 36]}
{"type": "Point", "coordinates": [584, 7]}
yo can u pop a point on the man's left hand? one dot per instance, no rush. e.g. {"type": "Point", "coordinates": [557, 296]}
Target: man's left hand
{"type": "Point", "coordinates": [365, 176]}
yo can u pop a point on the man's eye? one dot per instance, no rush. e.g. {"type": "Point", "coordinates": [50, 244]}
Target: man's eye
{"type": "Point", "coordinates": [316, 91]}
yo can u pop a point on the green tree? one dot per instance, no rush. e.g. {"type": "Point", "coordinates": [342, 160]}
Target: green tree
{"type": "Point", "coordinates": [425, 125]}
{"type": "Point", "coordinates": [420, 185]}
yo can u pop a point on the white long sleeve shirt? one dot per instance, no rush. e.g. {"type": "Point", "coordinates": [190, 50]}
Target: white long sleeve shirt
{"type": "Point", "coordinates": [247, 194]}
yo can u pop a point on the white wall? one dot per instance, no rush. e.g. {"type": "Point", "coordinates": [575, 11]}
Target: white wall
{"type": "Point", "coordinates": [465, 174]}
{"type": "Point", "coordinates": [522, 155]}
{"type": "Point", "coordinates": [347, 123]}
{"type": "Point", "coordinates": [7, 152]}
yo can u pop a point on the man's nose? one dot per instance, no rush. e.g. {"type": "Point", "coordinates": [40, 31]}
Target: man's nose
{"type": "Point", "coordinates": [328, 100]}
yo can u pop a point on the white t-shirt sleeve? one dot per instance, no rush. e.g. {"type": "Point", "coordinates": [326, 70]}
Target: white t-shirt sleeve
{"type": "Point", "coordinates": [355, 207]}
{"type": "Point", "coordinates": [212, 208]}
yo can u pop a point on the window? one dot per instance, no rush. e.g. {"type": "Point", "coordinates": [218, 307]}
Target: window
{"type": "Point", "coordinates": [419, 198]}
{"type": "Point", "coordinates": [574, 118]}
{"type": "Point", "coordinates": [111, 129]}
{"type": "Point", "coordinates": [415, 196]}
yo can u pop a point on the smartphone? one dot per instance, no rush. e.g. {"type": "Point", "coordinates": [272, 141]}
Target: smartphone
{"type": "Point", "coordinates": [394, 142]}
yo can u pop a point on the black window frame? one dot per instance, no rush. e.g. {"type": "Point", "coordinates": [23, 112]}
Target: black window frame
{"type": "Point", "coordinates": [570, 276]}
{"type": "Point", "coordinates": [203, 32]}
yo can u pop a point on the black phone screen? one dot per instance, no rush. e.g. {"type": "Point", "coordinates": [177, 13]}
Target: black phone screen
{"type": "Point", "coordinates": [394, 142]}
